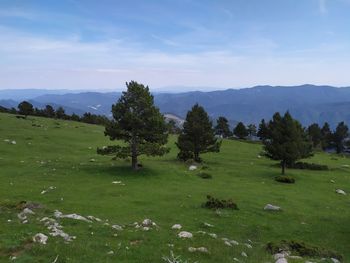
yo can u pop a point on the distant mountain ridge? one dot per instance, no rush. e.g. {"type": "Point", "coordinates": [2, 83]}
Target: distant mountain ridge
{"type": "Point", "coordinates": [307, 103]}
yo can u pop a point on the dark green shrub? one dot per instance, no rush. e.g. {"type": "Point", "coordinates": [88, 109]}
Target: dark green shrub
{"type": "Point", "coordinates": [301, 249]}
{"type": "Point", "coordinates": [309, 166]}
{"type": "Point", "coordinates": [204, 175]}
{"type": "Point", "coordinates": [215, 203]}
{"type": "Point", "coordinates": [285, 179]}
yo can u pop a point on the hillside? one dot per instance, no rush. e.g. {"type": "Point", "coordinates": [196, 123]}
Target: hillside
{"type": "Point", "coordinates": [60, 158]}
{"type": "Point", "coordinates": [307, 103]}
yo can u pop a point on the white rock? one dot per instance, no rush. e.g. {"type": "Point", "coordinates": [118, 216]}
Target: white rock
{"type": "Point", "coordinates": [243, 254]}
{"type": "Point", "coordinates": [192, 168]}
{"type": "Point", "coordinates": [117, 227]}
{"type": "Point", "coordinates": [176, 226]}
{"type": "Point", "coordinates": [227, 243]}
{"type": "Point", "coordinates": [296, 257]}
{"type": "Point", "coordinates": [185, 234]}
{"type": "Point", "coordinates": [213, 235]}
{"type": "Point", "coordinates": [13, 142]}
{"type": "Point", "coordinates": [199, 249]}
{"type": "Point", "coordinates": [248, 245]}
{"type": "Point", "coordinates": [281, 260]}
{"type": "Point", "coordinates": [146, 228]}
{"type": "Point", "coordinates": [335, 260]}
{"type": "Point", "coordinates": [339, 191]}
{"type": "Point", "coordinates": [110, 252]}
{"type": "Point", "coordinates": [272, 207]}
{"type": "Point", "coordinates": [147, 222]}
{"type": "Point", "coordinates": [332, 181]}
{"type": "Point", "coordinates": [40, 238]}
{"type": "Point", "coordinates": [208, 225]}
{"type": "Point", "coordinates": [59, 214]}
{"type": "Point", "coordinates": [278, 255]}
{"type": "Point", "coordinates": [236, 259]}
{"type": "Point", "coordinates": [234, 242]}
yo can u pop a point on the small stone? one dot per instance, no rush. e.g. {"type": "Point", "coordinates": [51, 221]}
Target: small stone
{"type": "Point", "coordinates": [176, 226]}
{"type": "Point", "coordinates": [213, 235]}
{"type": "Point", "coordinates": [185, 234]}
{"type": "Point", "coordinates": [192, 168]}
{"type": "Point", "coordinates": [110, 252]}
{"type": "Point", "coordinates": [243, 254]}
{"type": "Point", "coordinates": [339, 191]}
{"type": "Point", "coordinates": [147, 222]}
{"type": "Point", "coordinates": [278, 256]}
{"type": "Point", "coordinates": [145, 228]}
{"type": "Point", "coordinates": [40, 238]}
{"type": "Point", "coordinates": [270, 207]}
{"type": "Point", "coordinates": [199, 249]}
{"type": "Point", "coordinates": [227, 243]}
{"type": "Point", "coordinates": [334, 260]}
{"type": "Point", "coordinates": [117, 227]}
{"type": "Point", "coordinates": [281, 260]}
{"type": "Point", "coordinates": [248, 245]}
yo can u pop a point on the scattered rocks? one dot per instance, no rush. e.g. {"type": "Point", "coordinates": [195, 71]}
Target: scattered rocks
{"type": "Point", "coordinates": [40, 238]}
{"type": "Point", "coordinates": [56, 229]}
{"type": "Point", "coordinates": [148, 223]}
{"type": "Point", "coordinates": [185, 234]}
{"type": "Point", "coordinates": [92, 218]}
{"type": "Point", "coordinates": [23, 215]}
{"type": "Point", "coordinates": [208, 225]}
{"type": "Point", "coordinates": [270, 207]}
{"type": "Point", "coordinates": [192, 167]}
{"type": "Point", "coordinates": [59, 214]}
{"type": "Point", "coordinates": [48, 190]}
{"type": "Point", "coordinates": [198, 249]}
{"type": "Point", "coordinates": [117, 227]}
{"type": "Point", "coordinates": [339, 191]}
{"type": "Point", "coordinates": [281, 260]}
{"type": "Point", "coordinates": [176, 226]}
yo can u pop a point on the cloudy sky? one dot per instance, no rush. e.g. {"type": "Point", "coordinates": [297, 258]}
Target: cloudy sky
{"type": "Point", "coordinates": [169, 44]}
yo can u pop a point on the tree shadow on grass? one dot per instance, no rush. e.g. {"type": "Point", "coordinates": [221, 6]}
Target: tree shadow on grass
{"type": "Point", "coordinates": [119, 170]}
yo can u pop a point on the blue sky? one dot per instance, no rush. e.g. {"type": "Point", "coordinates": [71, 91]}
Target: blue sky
{"type": "Point", "coordinates": [182, 44]}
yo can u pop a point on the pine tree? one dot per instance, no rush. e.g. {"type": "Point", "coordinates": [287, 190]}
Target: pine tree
{"type": "Point", "coordinates": [222, 127]}
{"type": "Point", "coordinates": [240, 131]}
{"type": "Point", "coordinates": [315, 134]}
{"type": "Point", "coordinates": [197, 135]}
{"type": "Point", "coordinates": [251, 130]}
{"type": "Point", "coordinates": [327, 136]}
{"type": "Point", "coordinates": [60, 113]}
{"type": "Point", "coordinates": [263, 130]}
{"type": "Point", "coordinates": [138, 123]}
{"type": "Point", "coordinates": [341, 133]}
{"type": "Point", "coordinates": [25, 108]}
{"type": "Point", "coordinates": [287, 141]}
{"type": "Point", "coordinates": [49, 111]}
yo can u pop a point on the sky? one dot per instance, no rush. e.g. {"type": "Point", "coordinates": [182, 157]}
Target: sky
{"type": "Point", "coordinates": [173, 45]}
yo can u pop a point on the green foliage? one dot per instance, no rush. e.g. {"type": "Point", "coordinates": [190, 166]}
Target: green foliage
{"type": "Point", "coordinates": [60, 113]}
{"type": "Point", "coordinates": [205, 175]}
{"type": "Point", "coordinates": [173, 127]}
{"type": "Point", "coordinates": [327, 136]}
{"type": "Point", "coordinates": [263, 130]}
{"type": "Point", "coordinates": [25, 108]}
{"type": "Point", "coordinates": [215, 203]}
{"type": "Point", "coordinates": [222, 127]}
{"type": "Point", "coordinates": [197, 136]}
{"type": "Point", "coordinates": [285, 179]}
{"type": "Point", "coordinates": [286, 140]}
{"type": "Point", "coordinates": [315, 134]}
{"type": "Point", "coordinates": [49, 111]}
{"type": "Point", "coordinates": [301, 249]}
{"type": "Point", "coordinates": [138, 123]}
{"type": "Point", "coordinates": [240, 131]}
{"type": "Point", "coordinates": [251, 128]}
{"type": "Point", "coordinates": [309, 166]}
{"type": "Point", "coordinates": [341, 132]}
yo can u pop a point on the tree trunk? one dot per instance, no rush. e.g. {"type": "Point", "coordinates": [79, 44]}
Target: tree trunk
{"type": "Point", "coordinates": [283, 164]}
{"type": "Point", "coordinates": [134, 163]}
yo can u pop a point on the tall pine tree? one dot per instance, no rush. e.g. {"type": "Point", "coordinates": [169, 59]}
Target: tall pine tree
{"type": "Point", "coordinates": [287, 141]}
{"type": "Point", "coordinates": [197, 135]}
{"type": "Point", "coordinates": [222, 127]}
{"type": "Point", "coordinates": [138, 123]}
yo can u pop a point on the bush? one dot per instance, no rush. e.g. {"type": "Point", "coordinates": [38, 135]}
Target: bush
{"type": "Point", "coordinates": [285, 179]}
{"type": "Point", "coordinates": [301, 249]}
{"type": "Point", "coordinates": [214, 203]}
{"type": "Point", "coordinates": [204, 175]}
{"type": "Point", "coordinates": [309, 166]}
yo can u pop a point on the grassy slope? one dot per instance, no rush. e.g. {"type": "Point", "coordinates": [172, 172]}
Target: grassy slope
{"type": "Point", "coordinates": [164, 191]}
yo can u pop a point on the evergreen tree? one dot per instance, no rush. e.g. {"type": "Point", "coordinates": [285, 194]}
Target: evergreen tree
{"type": "Point", "coordinates": [240, 131]}
{"type": "Point", "coordinates": [263, 130]}
{"type": "Point", "coordinates": [287, 141]}
{"type": "Point", "coordinates": [315, 134]}
{"type": "Point", "coordinates": [138, 123]}
{"type": "Point", "coordinates": [327, 136]}
{"type": "Point", "coordinates": [60, 113]}
{"type": "Point", "coordinates": [49, 111]}
{"type": "Point", "coordinates": [25, 108]}
{"type": "Point", "coordinates": [222, 127]}
{"type": "Point", "coordinates": [197, 136]}
{"type": "Point", "coordinates": [251, 130]}
{"type": "Point", "coordinates": [341, 133]}
{"type": "Point", "coordinates": [173, 127]}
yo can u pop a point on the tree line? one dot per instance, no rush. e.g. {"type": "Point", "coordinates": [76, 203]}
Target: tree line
{"type": "Point", "coordinates": [25, 108]}
{"type": "Point", "coordinates": [139, 123]}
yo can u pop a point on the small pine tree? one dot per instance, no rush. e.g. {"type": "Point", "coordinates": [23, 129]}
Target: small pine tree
{"type": "Point", "coordinates": [251, 130]}
{"type": "Point", "coordinates": [287, 140]}
{"type": "Point", "coordinates": [263, 130]}
{"type": "Point", "coordinates": [197, 135]}
{"type": "Point", "coordinates": [138, 123]}
{"type": "Point", "coordinates": [222, 127]}
{"type": "Point", "coordinates": [327, 136]}
{"type": "Point", "coordinates": [240, 131]}
{"type": "Point", "coordinates": [49, 111]}
{"type": "Point", "coordinates": [315, 134]}
{"type": "Point", "coordinates": [341, 133]}
{"type": "Point", "coordinates": [60, 113]}
{"type": "Point", "coordinates": [25, 108]}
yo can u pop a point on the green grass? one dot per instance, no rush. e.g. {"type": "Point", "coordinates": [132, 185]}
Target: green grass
{"type": "Point", "coordinates": [57, 153]}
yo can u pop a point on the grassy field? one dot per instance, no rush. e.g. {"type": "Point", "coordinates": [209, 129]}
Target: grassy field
{"type": "Point", "coordinates": [58, 153]}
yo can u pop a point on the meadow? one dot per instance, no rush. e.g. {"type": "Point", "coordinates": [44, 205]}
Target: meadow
{"type": "Point", "coordinates": [62, 154]}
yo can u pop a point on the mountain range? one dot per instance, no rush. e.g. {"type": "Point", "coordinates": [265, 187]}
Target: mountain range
{"type": "Point", "coordinates": [307, 103]}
